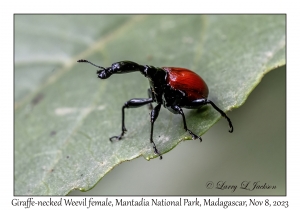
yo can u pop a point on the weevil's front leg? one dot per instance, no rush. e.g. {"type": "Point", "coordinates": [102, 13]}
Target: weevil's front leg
{"type": "Point", "coordinates": [153, 116]}
{"type": "Point", "coordinates": [132, 103]}
{"type": "Point", "coordinates": [150, 95]}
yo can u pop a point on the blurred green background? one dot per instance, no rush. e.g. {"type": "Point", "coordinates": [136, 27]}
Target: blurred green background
{"type": "Point", "coordinates": [64, 114]}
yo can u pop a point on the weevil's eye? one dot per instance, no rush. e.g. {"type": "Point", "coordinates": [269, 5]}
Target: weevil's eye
{"type": "Point", "coordinates": [103, 74]}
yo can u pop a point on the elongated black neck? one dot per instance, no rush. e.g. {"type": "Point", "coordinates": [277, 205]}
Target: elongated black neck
{"type": "Point", "coordinates": [121, 67]}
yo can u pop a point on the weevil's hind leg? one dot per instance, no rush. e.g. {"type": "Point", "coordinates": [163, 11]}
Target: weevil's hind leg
{"type": "Point", "coordinates": [153, 116]}
{"type": "Point", "coordinates": [179, 111]}
{"type": "Point", "coordinates": [203, 101]}
{"type": "Point", "coordinates": [132, 103]}
{"type": "Point", "coordinates": [150, 95]}
{"type": "Point", "coordinates": [223, 114]}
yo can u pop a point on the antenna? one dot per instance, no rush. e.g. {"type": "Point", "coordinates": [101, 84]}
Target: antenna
{"type": "Point", "coordinates": [86, 61]}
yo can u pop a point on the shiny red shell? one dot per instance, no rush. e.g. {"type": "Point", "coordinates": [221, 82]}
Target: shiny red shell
{"type": "Point", "coordinates": [187, 81]}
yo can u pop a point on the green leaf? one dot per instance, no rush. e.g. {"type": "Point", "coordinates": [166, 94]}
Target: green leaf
{"type": "Point", "coordinates": [64, 115]}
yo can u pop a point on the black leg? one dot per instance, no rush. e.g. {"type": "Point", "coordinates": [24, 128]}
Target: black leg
{"type": "Point", "coordinates": [223, 114]}
{"type": "Point", "coordinates": [153, 117]}
{"type": "Point", "coordinates": [179, 111]}
{"type": "Point", "coordinates": [150, 95]}
{"type": "Point", "coordinates": [133, 103]}
{"type": "Point", "coordinates": [200, 102]}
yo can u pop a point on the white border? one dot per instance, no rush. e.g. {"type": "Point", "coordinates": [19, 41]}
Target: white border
{"type": "Point", "coordinates": [154, 6]}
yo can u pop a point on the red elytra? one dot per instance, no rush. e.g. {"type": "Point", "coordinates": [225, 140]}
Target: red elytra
{"type": "Point", "coordinates": [188, 81]}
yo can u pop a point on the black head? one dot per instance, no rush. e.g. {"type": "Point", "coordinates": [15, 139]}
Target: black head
{"type": "Point", "coordinates": [102, 74]}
